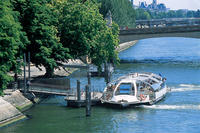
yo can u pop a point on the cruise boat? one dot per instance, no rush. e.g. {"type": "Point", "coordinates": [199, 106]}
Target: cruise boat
{"type": "Point", "coordinates": [135, 89]}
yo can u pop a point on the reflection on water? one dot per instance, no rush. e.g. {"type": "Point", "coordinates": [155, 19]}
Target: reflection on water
{"type": "Point", "coordinates": [178, 112]}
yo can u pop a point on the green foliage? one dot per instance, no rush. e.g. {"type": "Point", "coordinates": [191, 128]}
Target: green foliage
{"type": "Point", "coordinates": [190, 14]}
{"type": "Point", "coordinates": [40, 23]}
{"type": "Point", "coordinates": [141, 14]}
{"type": "Point", "coordinates": [107, 43]}
{"type": "Point", "coordinates": [122, 11]}
{"type": "Point", "coordinates": [4, 80]}
{"type": "Point", "coordinates": [84, 32]}
{"type": "Point", "coordinates": [197, 14]}
{"type": "Point", "coordinates": [12, 41]}
{"type": "Point", "coordinates": [57, 30]}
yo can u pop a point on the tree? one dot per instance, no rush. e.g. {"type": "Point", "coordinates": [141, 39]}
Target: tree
{"type": "Point", "coordinates": [141, 14]}
{"type": "Point", "coordinates": [12, 41]}
{"type": "Point", "coordinates": [190, 14]}
{"type": "Point", "coordinates": [197, 14]}
{"type": "Point", "coordinates": [40, 21]}
{"type": "Point", "coordinates": [171, 14]}
{"type": "Point", "coordinates": [180, 14]}
{"type": "Point", "coordinates": [147, 16]}
{"type": "Point", "coordinates": [84, 32]}
{"type": "Point", "coordinates": [105, 50]}
{"type": "Point", "coordinates": [122, 11]}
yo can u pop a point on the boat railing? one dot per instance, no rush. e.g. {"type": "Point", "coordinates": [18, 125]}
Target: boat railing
{"type": "Point", "coordinates": [130, 74]}
{"type": "Point", "coordinates": [152, 76]}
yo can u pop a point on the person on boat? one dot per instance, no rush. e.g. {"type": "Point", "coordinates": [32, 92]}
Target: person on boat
{"type": "Point", "coordinates": [133, 90]}
{"type": "Point", "coordinates": [111, 87]}
{"type": "Point", "coordinates": [164, 79]}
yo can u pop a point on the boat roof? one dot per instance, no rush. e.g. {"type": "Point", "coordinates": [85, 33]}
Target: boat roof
{"type": "Point", "coordinates": [143, 77]}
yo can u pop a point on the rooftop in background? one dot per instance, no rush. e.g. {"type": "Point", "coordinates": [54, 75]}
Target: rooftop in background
{"type": "Point", "coordinates": [175, 4]}
{"type": "Point", "coordinates": [154, 6]}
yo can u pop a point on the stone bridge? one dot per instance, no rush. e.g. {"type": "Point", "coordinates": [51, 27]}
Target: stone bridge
{"type": "Point", "coordinates": [192, 31]}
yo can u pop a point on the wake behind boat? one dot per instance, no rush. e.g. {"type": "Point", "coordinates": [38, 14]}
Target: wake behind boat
{"type": "Point", "coordinates": [135, 89]}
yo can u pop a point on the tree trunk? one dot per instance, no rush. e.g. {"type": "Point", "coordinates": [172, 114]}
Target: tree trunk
{"type": "Point", "coordinates": [99, 70]}
{"type": "Point", "coordinates": [49, 72]}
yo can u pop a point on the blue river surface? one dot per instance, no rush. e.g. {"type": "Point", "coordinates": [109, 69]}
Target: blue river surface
{"type": "Point", "coordinates": [178, 59]}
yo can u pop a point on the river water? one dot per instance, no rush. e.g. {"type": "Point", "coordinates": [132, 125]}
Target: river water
{"type": "Point", "coordinates": [178, 59]}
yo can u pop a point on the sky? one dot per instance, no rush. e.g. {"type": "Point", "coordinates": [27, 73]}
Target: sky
{"type": "Point", "coordinates": [176, 4]}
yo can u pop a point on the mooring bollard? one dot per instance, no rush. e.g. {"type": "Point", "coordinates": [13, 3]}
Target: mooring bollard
{"type": "Point", "coordinates": [78, 90]}
{"type": "Point", "coordinates": [88, 100]}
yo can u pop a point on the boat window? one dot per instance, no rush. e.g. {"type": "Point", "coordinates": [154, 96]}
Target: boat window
{"type": "Point", "coordinates": [143, 88]}
{"type": "Point", "coordinates": [124, 88]}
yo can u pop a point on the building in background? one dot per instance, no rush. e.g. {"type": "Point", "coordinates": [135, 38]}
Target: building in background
{"type": "Point", "coordinates": [154, 6]}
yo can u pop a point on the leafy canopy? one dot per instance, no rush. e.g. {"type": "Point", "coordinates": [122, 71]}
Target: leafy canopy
{"type": "Point", "coordinates": [84, 32]}
{"type": "Point", "coordinates": [41, 20]}
{"type": "Point", "coordinates": [54, 31]}
{"type": "Point", "coordinates": [122, 11]}
{"type": "Point", "coordinates": [12, 42]}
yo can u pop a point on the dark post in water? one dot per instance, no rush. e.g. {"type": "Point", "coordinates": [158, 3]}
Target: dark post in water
{"type": "Point", "coordinates": [78, 90]}
{"type": "Point", "coordinates": [89, 76]}
{"type": "Point", "coordinates": [107, 72]}
{"type": "Point", "coordinates": [88, 100]}
{"type": "Point", "coordinates": [24, 73]}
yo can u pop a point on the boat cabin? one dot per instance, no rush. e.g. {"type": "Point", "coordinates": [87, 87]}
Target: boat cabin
{"type": "Point", "coordinates": [136, 85]}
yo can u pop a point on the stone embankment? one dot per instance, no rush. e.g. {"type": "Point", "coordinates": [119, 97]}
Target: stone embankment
{"type": "Point", "coordinates": [11, 107]}
{"type": "Point", "coordinates": [126, 45]}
